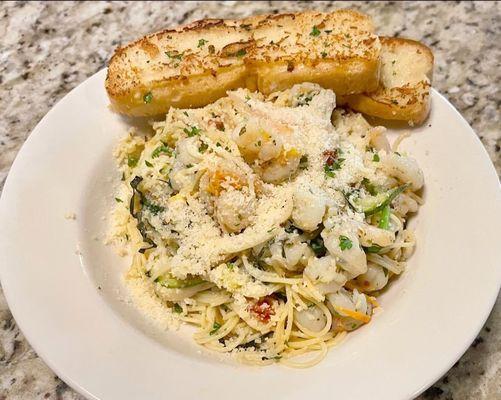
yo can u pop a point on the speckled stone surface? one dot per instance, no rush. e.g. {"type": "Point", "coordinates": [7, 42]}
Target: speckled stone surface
{"type": "Point", "coordinates": [46, 49]}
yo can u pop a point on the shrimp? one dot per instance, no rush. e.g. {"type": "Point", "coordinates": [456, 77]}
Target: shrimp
{"type": "Point", "coordinates": [352, 308]}
{"type": "Point", "coordinates": [324, 270]}
{"type": "Point", "coordinates": [264, 145]}
{"type": "Point", "coordinates": [370, 235]}
{"type": "Point", "coordinates": [375, 278]}
{"type": "Point", "coordinates": [405, 169]}
{"type": "Point", "coordinates": [233, 209]}
{"type": "Point", "coordinates": [404, 204]}
{"type": "Point", "coordinates": [296, 252]}
{"type": "Point", "coordinates": [309, 208]}
{"type": "Point", "coordinates": [353, 259]}
{"type": "Point", "coordinates": [313, 318]}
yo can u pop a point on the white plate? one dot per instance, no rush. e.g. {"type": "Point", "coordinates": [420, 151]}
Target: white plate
{"type": "Point", "coordinates": [52, 269]}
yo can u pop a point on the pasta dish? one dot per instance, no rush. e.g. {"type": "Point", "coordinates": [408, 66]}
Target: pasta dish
{"type": "Point", "coordinates": [271, 223]}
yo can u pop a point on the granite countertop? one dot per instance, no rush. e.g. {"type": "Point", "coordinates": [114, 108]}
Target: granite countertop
{"type": "Point", "coordinates": [49, 48]}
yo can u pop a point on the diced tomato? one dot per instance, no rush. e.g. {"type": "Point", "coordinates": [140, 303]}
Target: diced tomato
{"type": "Point", "coordinates": [330, 156]}
{"type": "Point", "coordinates": [263, 309]}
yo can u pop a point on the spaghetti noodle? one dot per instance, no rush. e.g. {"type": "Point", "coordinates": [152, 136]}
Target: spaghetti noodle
{"type": "Point", "coordinates": [268, 223]}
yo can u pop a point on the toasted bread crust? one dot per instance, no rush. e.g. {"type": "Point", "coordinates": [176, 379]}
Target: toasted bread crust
{"type": "Point", "coordinates": [399, 97]}
{"type": "Point", "coordinates": [193, 65]}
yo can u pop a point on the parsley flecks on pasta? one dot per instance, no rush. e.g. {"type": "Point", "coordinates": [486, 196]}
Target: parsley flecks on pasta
{"type": "Point", "coordinates": [269, 223]}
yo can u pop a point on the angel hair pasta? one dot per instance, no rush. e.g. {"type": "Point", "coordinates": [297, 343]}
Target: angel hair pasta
{"type": "Point", "coordinates": [269, 223]}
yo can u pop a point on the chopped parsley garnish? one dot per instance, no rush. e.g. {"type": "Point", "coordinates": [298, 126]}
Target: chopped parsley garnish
{"type": "Point", "coordinates": [369, 186]}
{"type": "Point", "coordinates": [314, 31]}
{"type": "Point", "coordinates": [304, 99]}
{"type": "Point", "coordinates": [148, 164]}
{"type": "Point", "coordinates": [375, 157]}
{"type": "Point", "coordinates": [215, 328]}
{"type": "Point", "coordinates": [318, 247]}
{"type": "Point", "coordinates": [161, 149]}
{"type": "Point", "coordinates": [173, 55]}
{"type": "Point", "coordinates": [118, 200]}
{"type": "Point", "coordinates": [240, 53]}
{"type": "Point", "coordinates": [324, 54]}
{"type": "Point", "coordinates": [345, 243]}
{"type": "Point", "coordinates": [329, 169]}
{"type": "Point", "coordinates": [203, 147]}
{"type": "Point", "coordinates": [152, 207]}
{"type": "Point", "coordinates": [332, 162]}
{"type": "Point", "coordinates": [132, 161]}
{"type": "Point", "coordinates": [230, 266]}
{"type": "Point", "coordinates": [147, 98]}
{"type": "Point", "coordinates": [177, 309]}
{"type": "Point", "coordinates": [186, 113]}
{"type": "Point", "coordinates": [193, 131]}
{"type": "Point", "coordinates": [201, 42]}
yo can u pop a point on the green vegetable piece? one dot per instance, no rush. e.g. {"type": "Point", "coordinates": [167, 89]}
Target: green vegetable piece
{"type": "Point", "coordinates": [177, 309]}
{"type": "Point", "coordinates": [345, 243]}
{"type": "Point", "coordinates": [215, 328]}
{"type": "Point", "coordinates": [148, 164]}
{"type": "Point", "coordinates": [314, 31]}
{"type": "Point", "coordinates": [136, 200]}
{"type": "Point", "coordinates": [318, 247]}
{"type": "Point", "coordinates": [203, 147]}
{"type": "Point", "coordinates": [173, 283]}
{"type": "Point", "coordinates": [384, 222]}
{"type": "Point", "coordinates": [161, 149]}
{"type": "Point", "coordinates": [375, 157]}
{"type": "Point", "coordinates": [373, 249]}
{"type": "Point", "coordinates": [174, 55]}
{"type": "Point", "coordinates": [118, 200]}
{"type": "Point", "coordinates": [132, 161]}
{"type": "Point", "coordinates": [193, 131]}
{"type": "Point", "coordinates": [333, 163]}
{"type": "Point", "coordinates": [373, 204]}
{"type": "Point", "coordinates": [201, 42]}
{"type": "Point", "coordinates": [241, 53]}
{"type": "Point", "coordinates": [147, 98]}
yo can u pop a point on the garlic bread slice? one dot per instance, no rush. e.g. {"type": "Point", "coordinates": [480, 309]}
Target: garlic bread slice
{"type": "Point", "coordinates": [186, 67]}
{"type": "Point", "coordinates": [337, 50]}
{"type": "Point", "coordinates": [194, 65]}
{"type": "Point", "coordinates": [405, 83]}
